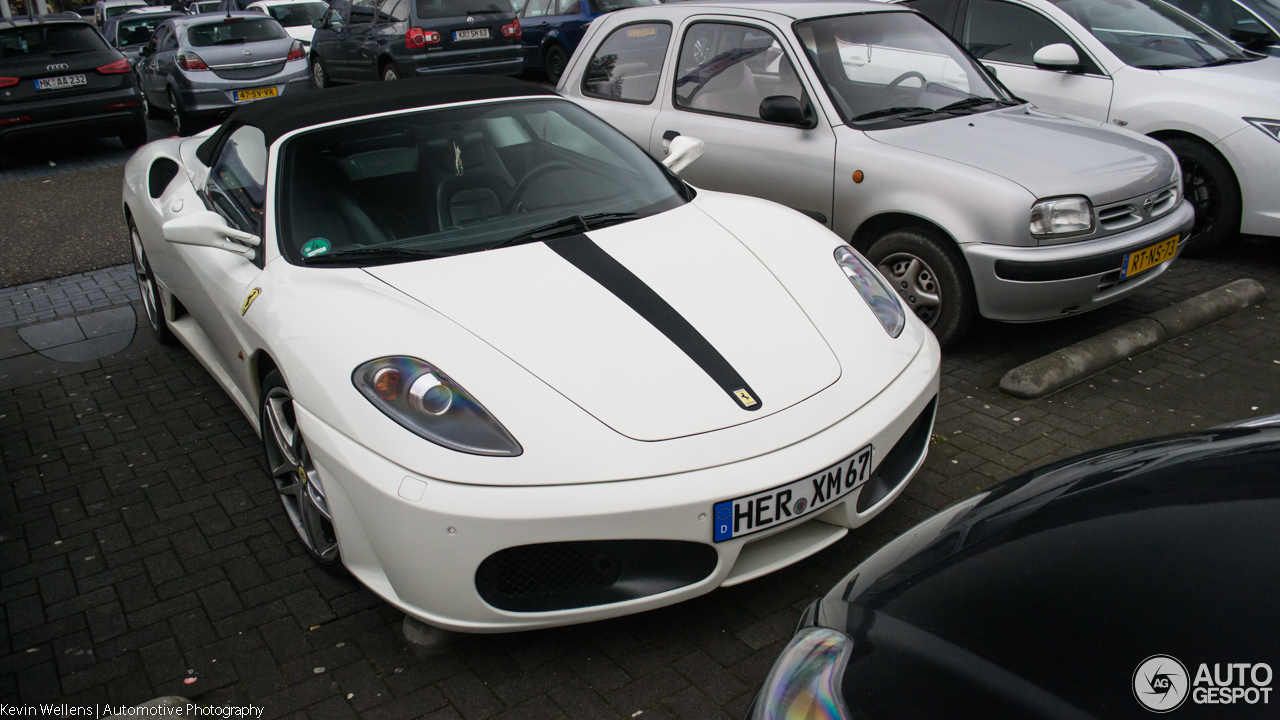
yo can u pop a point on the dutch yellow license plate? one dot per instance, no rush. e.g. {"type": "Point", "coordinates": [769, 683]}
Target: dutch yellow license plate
{"type": "Point", "coordinates": [1148, 257]}
{"type": "Point", "coordinates": [256, 94]}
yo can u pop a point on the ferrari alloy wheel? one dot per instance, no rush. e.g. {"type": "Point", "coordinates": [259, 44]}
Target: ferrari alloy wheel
{"type": "Point", "coordinates": [1210, 185]}
{"type": "Point", "coordinates": [148, 289]}
{"type": "Point", "coordinates": [930, 277]}
{"type": "Point", "coordinates": [294, 474]}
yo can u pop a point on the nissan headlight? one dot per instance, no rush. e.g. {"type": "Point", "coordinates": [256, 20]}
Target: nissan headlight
{"type": "Point", "coordinates": [1062, 216]}
{"type": "Point", "coordinates": [1270, 127]}
{"type": "Point", "coordinates": [428, 403]}
{"type": "Point", "coordinates": [882, 300]}
{"type": "Point", "coordinates": [805, 681]}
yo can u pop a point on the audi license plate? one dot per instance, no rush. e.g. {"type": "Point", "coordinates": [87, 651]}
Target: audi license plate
{"type": "Point", "coordinates": [255, 94]}
{"type": "Point", "coordinates": [477, 34]}
{"type": "Point", "coordinates": [770, 508]}
{"type": "Point", "coordinates": [1148, 257]}
{"type": "Point", "coordinates": [57, 83]}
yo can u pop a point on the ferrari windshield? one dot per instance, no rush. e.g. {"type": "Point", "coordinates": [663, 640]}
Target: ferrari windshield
{"type": "Point", "coordinates": [460, 180]}
{"type": "Point", "coordinates": [1152, 34]}
{"type": "Point", "coordinates": [894, 65]}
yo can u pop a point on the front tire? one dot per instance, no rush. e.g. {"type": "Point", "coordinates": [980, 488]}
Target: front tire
{"type": "Point", "coordinates": [149, 289]}
{"type": "Point", "coordinates": [931, 277]}
{"type": "Point", "coordinates": [389, 73]}
{"type": "Point", "coordinates": [1210, 184]}
{"type": "Point", "coordinates": [555, 62]}
{"type": "Point", "coordinates": [319, 76]}
{"type": "Point", "coordinates": [152, 112]}
{"type": "Point", "coordinates": [293, 472]}
{"type": "Point", "coordinates": [181, 121]}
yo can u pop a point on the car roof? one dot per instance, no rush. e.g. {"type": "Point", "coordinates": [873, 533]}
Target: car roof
{"type": "Point", "coordinates": [183, 21]}
{"type": "Point", "coordinates": [63, 18]}
{"type": "Point", "coordinates": [277, 117]}
{"type": "Point", "coordinates": [793, 10]}
{"type": "Point", "coordinates": [117, 3]}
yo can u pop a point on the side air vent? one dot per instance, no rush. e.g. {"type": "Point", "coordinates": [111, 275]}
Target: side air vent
{"type": "Point", "coordinates": [163, 171]}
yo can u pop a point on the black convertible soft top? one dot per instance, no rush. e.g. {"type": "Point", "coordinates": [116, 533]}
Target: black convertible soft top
{"type": "Point", "coordinates": [277, 117]}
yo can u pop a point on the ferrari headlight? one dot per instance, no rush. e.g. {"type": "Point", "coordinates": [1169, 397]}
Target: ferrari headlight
{"type": "Point", "coordinates": [805, 681]}
{"type": "Point", "coordinates": [1270, 127]}
{"type": "Point", "coordinates": [882, 300]}
{"type": "Point", "coordinates": [1062, 216]}
{"type": "Point", "coordinates": [427, 402]}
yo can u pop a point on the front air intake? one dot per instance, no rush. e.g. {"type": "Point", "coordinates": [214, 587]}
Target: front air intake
{"type": "Point", "coordinates": [902, 458]}
{"type": "Point", "coordinates": [565, 575]}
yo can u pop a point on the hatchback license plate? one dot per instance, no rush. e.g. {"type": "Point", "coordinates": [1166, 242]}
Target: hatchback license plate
{"type": "Point", "coordinates": [57, 83]}
{"type": "Point", "coordinates": [477, 34]}
{"type": "Point", "coordinates": [255, 94]}
{"type": "Point", "coordinates": [1148, 257]}
{"type": "Point", "coordinates": [768, 509]}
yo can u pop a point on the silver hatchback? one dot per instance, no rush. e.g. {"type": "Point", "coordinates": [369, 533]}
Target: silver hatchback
{"type": "Point", "coordinates": [199, 68]}
{"type": "Point", "coordinates": [870, 120]}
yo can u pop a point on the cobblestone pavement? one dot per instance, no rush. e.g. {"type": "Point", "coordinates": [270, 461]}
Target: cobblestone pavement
{"type": "Point", "coordinates": [141, 543]}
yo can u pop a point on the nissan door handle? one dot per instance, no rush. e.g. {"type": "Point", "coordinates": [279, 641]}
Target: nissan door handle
{"type": "Point", "coordinates": [667, 137]}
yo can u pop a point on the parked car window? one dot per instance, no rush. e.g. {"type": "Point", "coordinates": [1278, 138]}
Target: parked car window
{"type": "Point", "coordinates": [363, 11]}
{"type": "Point", "coordinates": [942, 12]}
{"type": "Point", "coordinates": [728, 69]}
{"type": "Point", "coordinates": [237, 182]}
{"type": "Point", "coordinates": [393, 11]}
{"type": "Point", "coordinates": [537, 8]}
{"type": "Point", "coordinates": [297, 14]}
{"type": "Point", "coordinates": [600, 7]}
{"type": "Point", "coordinates": [1150, 33]}
{"type": "Point", "coordinates": [136, 32]}
{"type": "Point", "coordinates": [431, 9]}
{"type": "Point", "coordinates": [35, 40]}
{"type": "Point", "coordinates": [628, 64]}
{"type": "Point", "coordinates": [567, 7]}
{"type": "Point", "coordinates": [461, 180]}
{"type": "Point", "coordinates": [873, 62]}
{"type": "Point", "coordinates": [336, 17]}
{"type": "Point", "coordinates": [122, 9]}
{"type": "Point", "coordinates": [169, 42]}
{"type": "Point", "coordinates": [235, 31]}
{"type": "Point", "coordinates": [1005, 32]}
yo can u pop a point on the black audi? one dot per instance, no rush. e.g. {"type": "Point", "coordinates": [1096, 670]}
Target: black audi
{"type": "Point", "coordinates": [1140, 578]}
{"type": "Point", "coordinates": [59, 77]}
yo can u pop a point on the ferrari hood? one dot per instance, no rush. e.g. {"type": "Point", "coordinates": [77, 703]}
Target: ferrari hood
{"type": "Point", "coordinates": [656, 327]}
{"type": "Point", "coordinates": [1047, 154]}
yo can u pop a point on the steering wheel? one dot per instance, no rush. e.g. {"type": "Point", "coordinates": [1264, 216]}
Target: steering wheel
{"type": "Point", "coordinates": [523, 186]}
{"type": "Point", "coordinates": [888, 91]}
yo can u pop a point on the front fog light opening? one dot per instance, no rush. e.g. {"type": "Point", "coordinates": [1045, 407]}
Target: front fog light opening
{"type": "Point", "coordinates": [428, 403]}
{"type": "Point", "coordinates": [1060, 217]}
{"type": "Point", "coordinates": [806, 680]}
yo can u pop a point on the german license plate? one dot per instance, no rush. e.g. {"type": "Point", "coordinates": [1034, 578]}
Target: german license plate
{"type": "Point", "coordinates": [1148, 257]}
{"type": "Point", "coordinates": [477, 34]}
{"type": "Point", "coordinates": [255, 93]}
{"type": "Point", "coordinates": [57, 83]}
{"type": "Point", "coordinates": [770, 508]}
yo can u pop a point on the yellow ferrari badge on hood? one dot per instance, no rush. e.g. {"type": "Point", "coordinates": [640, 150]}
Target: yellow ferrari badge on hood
{"type": "Point", "coordinates": [744, 397]}
{"type": "Point", "coordinates": [253, 295]}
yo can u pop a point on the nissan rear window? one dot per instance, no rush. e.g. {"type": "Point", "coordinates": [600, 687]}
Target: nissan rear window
{"type": "Point", "coordinates": [235, 31]}
{"type": "Point", "coordinates": [432, 9]}
{"type": "Point", "coordinates": [49, 40]}
{"type": "Point", "coordinates": [137, 32]}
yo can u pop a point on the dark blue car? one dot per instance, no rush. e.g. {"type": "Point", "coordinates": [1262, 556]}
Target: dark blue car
{"type": "Point", "coordinates": [553, 29]}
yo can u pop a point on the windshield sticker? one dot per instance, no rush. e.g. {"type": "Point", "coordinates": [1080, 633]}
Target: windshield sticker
{"type": "Point", "coordinates": [315, 246]}
{"type": "Point", "coordinates": [642, 32]}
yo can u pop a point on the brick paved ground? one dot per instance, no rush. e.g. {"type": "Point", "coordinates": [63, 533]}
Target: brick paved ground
{"type": "Point", "coordinates": [141, 543]}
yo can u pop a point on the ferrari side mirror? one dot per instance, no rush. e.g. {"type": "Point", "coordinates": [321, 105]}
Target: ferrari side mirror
{"type": "Point", "coordinates": [207, 229]}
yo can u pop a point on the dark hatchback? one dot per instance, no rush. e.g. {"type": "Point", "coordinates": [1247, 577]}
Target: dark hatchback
{"type": "Point", "coordinates": [553, 29]}
{"type": "Point", "coordinates": [59, 77]}
{"type": "Point", "coordinates": [360, 40]}
{"type": "Point", "coordinates": [1138, 578]}
{"type": "Point", "coordinates": [130, 33]}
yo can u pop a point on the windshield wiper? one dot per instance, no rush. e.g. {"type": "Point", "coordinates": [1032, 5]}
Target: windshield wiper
{"type": "Point", "coordinates": [575, 224]}
{"type": "Point", "coordinates": [971, 103]}
{"type": "Point", "coordinates": [885, 112]}
{"type": "Point", "coordinates": [488, 11]}
{"type": "Point", "coordinates": [66, 52]}
{"type": "Point", "coordinates": [374, 255]}
{"type": "Point", "coordinates": [230, 41]}
{"type": "Point", "coordinates": [1229, 61]}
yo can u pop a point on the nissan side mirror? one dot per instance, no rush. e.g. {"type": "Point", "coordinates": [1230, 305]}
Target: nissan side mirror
{"type": "Point", "coordinates": [1058, 56]}
{"type": "Point", "coordinates": [991, 70]}
{"type": "Point", "coordinates": [317, 24]}
{"type": "Point", "coordinates": [683, 151]}
{"type": "Point", "coordinates": [783, 110]}
{"type": "Point", "coordinates": [1251, 37]}
{"type": "Point", "coordinates": [147, 51]}
{"type": "Point", "coordinates": [207, 229]}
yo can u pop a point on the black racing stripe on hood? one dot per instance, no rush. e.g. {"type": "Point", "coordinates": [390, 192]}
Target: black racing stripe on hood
{"type": "Point", "coordinates": [600, 266]}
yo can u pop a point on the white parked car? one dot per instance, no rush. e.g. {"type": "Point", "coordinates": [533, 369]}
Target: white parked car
{"type": "Point", "coordinates": [295, 15]}
{"type": "Point", "coordinates": [511, 371]}
{"type": "Point", "coordinates": [1147, 66]}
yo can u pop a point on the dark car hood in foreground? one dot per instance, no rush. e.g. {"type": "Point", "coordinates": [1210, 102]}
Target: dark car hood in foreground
{"type": "Point", "coordinates": [1042, 596]}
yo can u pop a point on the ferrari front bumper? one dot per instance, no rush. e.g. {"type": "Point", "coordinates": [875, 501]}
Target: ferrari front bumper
{"type": "Point", "coordinates": [418, 542]}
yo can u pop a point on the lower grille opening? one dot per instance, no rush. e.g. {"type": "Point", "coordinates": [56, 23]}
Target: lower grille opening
{"type": "Point", "coordinates": [902, 457]}
{"type": "Point", "coordinates": [566, 575]}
